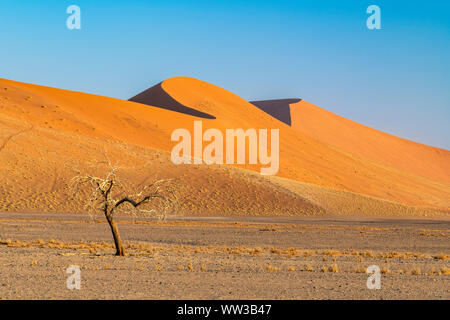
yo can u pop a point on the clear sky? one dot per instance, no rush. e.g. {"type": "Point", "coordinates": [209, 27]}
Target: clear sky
{"type": "Point", "coordinates": [396, 79]}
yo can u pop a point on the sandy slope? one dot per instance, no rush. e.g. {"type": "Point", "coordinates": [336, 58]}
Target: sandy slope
{"type": "Point", "coordinates": [45, 132]}
{"type": "Point", "coordinates": [360, 140]}
{"type": "Point", "coordinates": [304, 158]}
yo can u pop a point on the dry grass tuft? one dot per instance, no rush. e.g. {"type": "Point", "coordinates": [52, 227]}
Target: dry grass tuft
{"type": "Point", "coordinates": [333, 268]}
{"type": "Point", "coordinates": [441, 257]}
{"type": "Point", "coordinates": [416, 271]}
{"type": "Point", "coordinates": [367, 254]}
{"type": "Point", "coordinates": [403, 271]}
{"type": "Point", "coordinates": [309, 268]}
{"type": "Point", "coordinates": [332, 253]}
{"type": "Point", "coordinates": [308, 253]}
{"type": "Point", "coordinates": [272, 268]}
{"type": "Point", "coordinates": [445, 270]}
{"type": "Point", "coordinates": [360, 270]}
{"type": "Point", "coordinates": [432, 271]}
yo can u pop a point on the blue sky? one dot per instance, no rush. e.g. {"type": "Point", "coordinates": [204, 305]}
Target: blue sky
{"type": "Point", "coordinates": [396, 79]}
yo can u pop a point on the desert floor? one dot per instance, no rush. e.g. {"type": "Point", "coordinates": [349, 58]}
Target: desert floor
{"type": "Point", "coordinates": [221, 258]}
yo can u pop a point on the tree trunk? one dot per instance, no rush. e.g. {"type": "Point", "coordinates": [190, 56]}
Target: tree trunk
{"type": "Point", "coordinates": [120, 251]}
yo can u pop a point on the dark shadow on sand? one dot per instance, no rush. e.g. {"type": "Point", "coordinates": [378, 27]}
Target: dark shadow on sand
{"type": "Point", "coordinates": [279, 109]}
{"type": "Point", "coordinates": [156, 96]}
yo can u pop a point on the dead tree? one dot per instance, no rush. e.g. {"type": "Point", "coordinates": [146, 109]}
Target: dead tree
{"type": "Point", "coordinates": [109, 195]}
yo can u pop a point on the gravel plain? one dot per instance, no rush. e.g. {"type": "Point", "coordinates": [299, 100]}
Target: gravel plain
{"type": "Point", "coordinates": [223, 258]}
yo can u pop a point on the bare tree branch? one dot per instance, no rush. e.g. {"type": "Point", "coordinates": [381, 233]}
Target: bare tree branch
{"type": "Point", "coordinates": [109, 195]}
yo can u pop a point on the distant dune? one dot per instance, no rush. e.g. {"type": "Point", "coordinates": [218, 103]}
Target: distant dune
{"type": "Point", "coordinates": [361, 140]}
{"type": "Point", "coordinates": [45, 132]}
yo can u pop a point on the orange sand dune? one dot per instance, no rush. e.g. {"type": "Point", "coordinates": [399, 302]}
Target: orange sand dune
{"type": "Point", "coordinates": [94, 121]}
{"type": "Point", "coordinates": [303, 158]}
{"type": "Point", "coordinates": [361, 140]}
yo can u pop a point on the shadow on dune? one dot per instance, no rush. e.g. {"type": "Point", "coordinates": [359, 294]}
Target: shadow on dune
{"type": "Point", "coordinates": [279, 109]}
{"type": "Point", "coordinates": [156, 96]}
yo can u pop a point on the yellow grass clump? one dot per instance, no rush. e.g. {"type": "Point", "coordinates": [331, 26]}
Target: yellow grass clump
{"type": "Point", "coordinates": [272, 268]}
{"type": "Point", "coordinates": [333, 268]}
{"type": "Point", "coordinates": [309, 268]}
{"type": "Point", "coordinates": [432, 271]}
{"type": "Point", "coordinates": [441, 257]}
{"type": "Point", "coordinates": [445, 270]}
{"type": "Point", "coordinates": [360, 270]}
{"type": "Point", "coordinates": [415, 271]}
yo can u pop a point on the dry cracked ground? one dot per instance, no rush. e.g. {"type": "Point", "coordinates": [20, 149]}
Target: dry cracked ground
{"type": "Point", "coordinates": [221, 258]}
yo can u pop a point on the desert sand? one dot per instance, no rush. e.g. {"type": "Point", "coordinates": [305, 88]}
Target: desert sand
{"type": "Point", "coordinates": [346, 196]}
{"type": "Point", "coordinates": [361, 140]}
{"type": "Point", "coordinates": [48, 132]}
